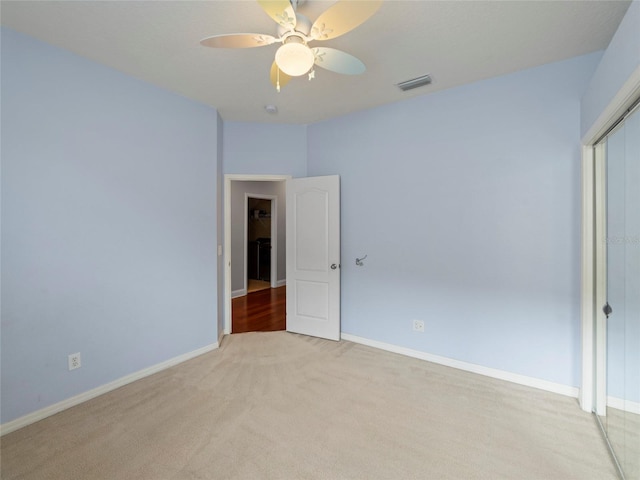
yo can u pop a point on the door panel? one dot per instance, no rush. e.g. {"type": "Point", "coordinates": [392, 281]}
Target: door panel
{"type": "Point", "coordinates": [621, 419]}
{"type": "Point", "coordinates": [615, 272]}
{"type": "Point", "coordinates": [313, 256]}
{"type": "Point", "coordinates": [313, 299]}
{"type": "Point", "coordinates": [311, 227]}
{"type": "Point", "coordinates": [631, 406]}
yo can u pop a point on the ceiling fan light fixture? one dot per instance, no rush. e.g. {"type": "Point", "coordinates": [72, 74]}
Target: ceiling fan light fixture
{"type": "Point", "coordinates": [295, 58]}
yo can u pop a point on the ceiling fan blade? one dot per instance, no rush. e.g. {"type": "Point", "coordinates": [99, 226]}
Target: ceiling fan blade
{"type": "Point", "coordinates": [238, 40]}
{"type": "Point", "coordinates": [343, 17]}
{"type": "Point", "coordinates": [338, 61]}
{"type": "Point", "coordinates": [281, 11]}
{"type": "Point", "coordinates": [283, 77]}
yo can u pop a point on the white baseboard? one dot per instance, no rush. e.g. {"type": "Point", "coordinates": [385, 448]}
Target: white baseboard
{"type": "Point", "coordinates": [469, 367]}
{"type": "Point", "coordinates": [624, 405]}
{"type": "Point", "coordinates": [239, 293]}
{"type": "Point", "coordinates": [281, 283]}
{"type": "Point", "coordinates": [83, 397]}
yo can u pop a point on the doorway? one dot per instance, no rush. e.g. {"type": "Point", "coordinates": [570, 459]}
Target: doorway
{"type": "Point", "coordinates": [262, 310]}
{"type": "Point", "coordinates": [261, 242]}
{"type": "Point", "coordinates": [312, 213]}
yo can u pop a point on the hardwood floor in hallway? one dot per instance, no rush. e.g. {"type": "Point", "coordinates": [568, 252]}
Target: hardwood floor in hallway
{"type": "Point", "coordinates": [262, 311]}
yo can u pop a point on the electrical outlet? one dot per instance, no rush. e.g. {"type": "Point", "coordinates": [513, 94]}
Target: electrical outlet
{"type": "Point", "coordinates": [418, 326]}
{"type": "Point", "coordinates": [74, 361]}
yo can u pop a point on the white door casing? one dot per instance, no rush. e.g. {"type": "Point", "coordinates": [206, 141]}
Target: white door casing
{"type": "Point", "coordinates": [600, 270]}
{"type": "Point", "coordinates": [313, 256]}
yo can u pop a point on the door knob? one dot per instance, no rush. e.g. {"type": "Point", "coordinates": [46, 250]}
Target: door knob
{"type": "Point", "coordinates": [607, 309]}
{"type": "Point", "coordinates": [333, 266]}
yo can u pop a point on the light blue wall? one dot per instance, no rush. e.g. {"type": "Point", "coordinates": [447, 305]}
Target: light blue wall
{"type": "Point", "coordinates": [467, 203]}
{"type": "Point", "coordinates": [108, 224]}
{"type": "Point", "coordinates": [620, 60]}
{"type": "Point", "coordinates": [265, 149]}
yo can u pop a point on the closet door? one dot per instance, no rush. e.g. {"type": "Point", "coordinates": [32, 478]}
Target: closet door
{"type": "Point", "coordinates": [621, 307]}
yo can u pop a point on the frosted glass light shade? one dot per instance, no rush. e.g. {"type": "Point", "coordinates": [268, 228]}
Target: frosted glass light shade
{"type": "Point", "coordinates": [294, 59]}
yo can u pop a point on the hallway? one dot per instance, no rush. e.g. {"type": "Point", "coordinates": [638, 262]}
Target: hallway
{"type": "Point", "coordinates": [261, 311]}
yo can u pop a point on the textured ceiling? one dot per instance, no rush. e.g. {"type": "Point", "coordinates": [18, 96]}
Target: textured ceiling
{"type": "Point", "coordinates": [457, 42]}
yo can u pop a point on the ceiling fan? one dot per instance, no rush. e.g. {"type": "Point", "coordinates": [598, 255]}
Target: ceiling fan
{"type": "Point", "coordinates": [295, 31]}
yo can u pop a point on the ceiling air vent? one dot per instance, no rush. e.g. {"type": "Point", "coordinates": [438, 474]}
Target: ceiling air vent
{"type": "Point", "coordinates": [414, 83]}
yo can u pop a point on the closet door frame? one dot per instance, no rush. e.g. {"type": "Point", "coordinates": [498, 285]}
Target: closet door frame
{"type": "Point", "coordinates": [590, 396]}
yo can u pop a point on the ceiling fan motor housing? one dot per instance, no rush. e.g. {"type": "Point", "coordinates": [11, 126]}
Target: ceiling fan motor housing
{"type": "Point", "coordinates": [296, 3]}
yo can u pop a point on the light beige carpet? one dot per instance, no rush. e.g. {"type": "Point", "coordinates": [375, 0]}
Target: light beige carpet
{"type": "Point", "coordinates": [282, 406]}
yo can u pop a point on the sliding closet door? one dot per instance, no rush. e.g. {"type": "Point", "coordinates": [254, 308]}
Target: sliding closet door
{"type": "Point", "coordinates": [621, 308]}
{"type": "Point", "coordinates": [631, 405]}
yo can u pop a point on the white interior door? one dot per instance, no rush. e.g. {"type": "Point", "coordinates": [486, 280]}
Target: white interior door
{"type": "Point", "coordinates": [313, 256]}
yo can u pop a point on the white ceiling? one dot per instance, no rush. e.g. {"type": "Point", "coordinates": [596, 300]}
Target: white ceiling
{"type": "Point", "coordinates": [457, 42]}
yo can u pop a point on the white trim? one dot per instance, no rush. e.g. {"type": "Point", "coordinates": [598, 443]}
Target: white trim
{"type": "Point", "coordinates": [273, 273]}
{"type": "Point", "coordinates": [245, 246]}
{"type": "Point", "coordinates": [281, 283]}
{"type": "Point", "coordinates": [226, 328]}
{"type": "Point", "coordinates": [600, 281]}
{"type": "Point", "coordinates": [85, 396]}
{"type": "Point", "coordinates": [587, 280]}
{"type": "Point", "coordinates": [468, 367]}
{"type": "Point", "coordinates": [239, 293]}
{"type": "Point", "coordinates": [624, 405]}
{"type": "Point", "coordinates": [228, 178]}
{"type": "Point", "coordinates": [619, 103]}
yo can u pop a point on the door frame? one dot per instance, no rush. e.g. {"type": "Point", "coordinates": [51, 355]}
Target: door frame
{"type": "Point", "coordinates": [600, 281]}
{"type": "Point", "coordinates": [228, 178]}
{"type": "Point", "coordinates": [591, 393]}
{"type": "Point", "coordinates": [273, 272]}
